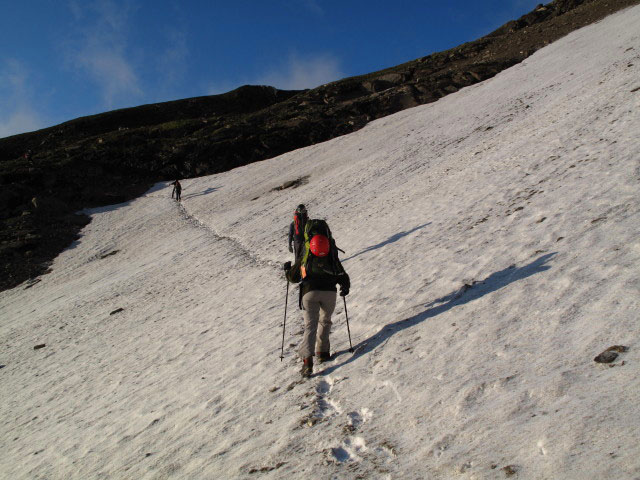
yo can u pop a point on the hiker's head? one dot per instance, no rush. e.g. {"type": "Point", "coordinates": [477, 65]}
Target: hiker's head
{"type": "Point", "coordinates": [319, 245]}
{"type": "Point", "coordinates": [301, 209]}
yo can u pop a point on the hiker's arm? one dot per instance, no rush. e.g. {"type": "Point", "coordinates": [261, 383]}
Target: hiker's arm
{"type": "Point", "coordinates": [345, 284]}
{"type": "Point", "coordinates": [293, 274]}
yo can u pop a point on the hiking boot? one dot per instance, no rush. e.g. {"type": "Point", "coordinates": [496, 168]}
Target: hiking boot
{"type": "Point", "coordinates": [307, 367]}
{"type": "Point", "coordinates": [323, 356]}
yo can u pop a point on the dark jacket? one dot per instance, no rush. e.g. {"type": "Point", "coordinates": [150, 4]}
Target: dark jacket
{"type": "Point", "coordinates": [325, 283]}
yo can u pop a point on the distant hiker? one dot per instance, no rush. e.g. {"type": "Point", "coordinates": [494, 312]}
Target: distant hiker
{"type": "Point", "coordinates": [319, 270]}
{"type": "Point", "coordinates": [296, 230]}
{"type": "Point", "coordinates": [177, 190]}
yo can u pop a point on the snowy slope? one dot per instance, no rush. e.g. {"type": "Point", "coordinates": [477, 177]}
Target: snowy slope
{"type": "Point", "coordinates": [492, 242]}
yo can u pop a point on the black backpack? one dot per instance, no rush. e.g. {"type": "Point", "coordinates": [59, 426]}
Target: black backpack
{"type": "Point", "coordinates": [317, 267]}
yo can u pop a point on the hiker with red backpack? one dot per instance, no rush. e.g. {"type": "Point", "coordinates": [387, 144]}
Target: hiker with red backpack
{"type": "Point", "coordinates": [318, 269]}
{"type": "Point", "coordinates": [296, 230]}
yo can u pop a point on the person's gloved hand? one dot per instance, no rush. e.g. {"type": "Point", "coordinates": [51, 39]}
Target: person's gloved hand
{"type": "Point", "coordinates": [290, 249]}
{"type": "Point", "coordinates": [287, 266]}
{"type": "Point", "coordinates": [344, 291]}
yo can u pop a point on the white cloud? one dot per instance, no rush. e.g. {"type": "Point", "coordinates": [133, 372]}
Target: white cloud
{"type": "Point", "coordinates": [300, 73]}
{"type": "Point", "coordinates": [13, 78]}
{"type": "Point", "coordinates": [19, 121]}
{"type": "Point", "coordinates": [172, 63]}
{"type": "Point", "coordinates": [112, 72]}
{"type": "Point", "coordinates": [295, 74]}
{"type": "Point", "coordinates": [75, 7]}
{"type": "Point", "coordinates": [101, 50]}
{"type": "Point", "coordinates": [313, 6]}
{"type": "Point", "coordinates": [17, 114]}
{"type": "Point", "coordinates": [218, 88]}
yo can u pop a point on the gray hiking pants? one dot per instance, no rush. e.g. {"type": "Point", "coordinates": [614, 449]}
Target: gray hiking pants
{"type": "Point", "coordinates": [318, 307]}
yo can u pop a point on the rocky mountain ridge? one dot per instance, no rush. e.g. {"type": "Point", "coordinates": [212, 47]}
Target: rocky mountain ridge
{"type": "Point", "coordinates": [109, 158]}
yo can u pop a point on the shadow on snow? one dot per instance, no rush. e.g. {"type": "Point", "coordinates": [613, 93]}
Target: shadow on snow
{"type": "Point", "coordinates": [198, 194]}
{"type": "Point", "coordinates": [391, 239]}
{"type": "Point", "coordinates": [466, 294]}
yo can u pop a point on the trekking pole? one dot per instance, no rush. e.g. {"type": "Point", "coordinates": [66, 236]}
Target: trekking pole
{"type": "Point", "coordinates": [286, 301]}
{"type": "Point", "coordinates": [348, 329]}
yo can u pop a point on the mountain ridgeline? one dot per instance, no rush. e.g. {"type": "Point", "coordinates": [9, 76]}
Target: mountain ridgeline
{"type": "Point", "coordinates": [115, 156]}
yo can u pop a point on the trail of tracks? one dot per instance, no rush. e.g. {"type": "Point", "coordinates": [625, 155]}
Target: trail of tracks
{"type": "Point", "coordinates": [349, 445]}
{"type": "Point", "coordinates": [234, 244]}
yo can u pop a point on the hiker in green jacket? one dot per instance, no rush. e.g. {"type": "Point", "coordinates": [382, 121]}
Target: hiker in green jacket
{"type": "Point", "coordinates": [318, 270]}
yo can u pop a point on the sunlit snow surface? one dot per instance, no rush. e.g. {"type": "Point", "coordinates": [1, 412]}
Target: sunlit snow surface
{"type": "Point", "coordinates": [492, 239]}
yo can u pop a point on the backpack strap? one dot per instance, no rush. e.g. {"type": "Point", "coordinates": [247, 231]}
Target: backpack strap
{"type": "Point", "coordinates": [305, 257]}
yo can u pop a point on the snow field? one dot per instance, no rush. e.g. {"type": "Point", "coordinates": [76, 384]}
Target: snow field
{"type": "Point", "coordinates": [492, 243]}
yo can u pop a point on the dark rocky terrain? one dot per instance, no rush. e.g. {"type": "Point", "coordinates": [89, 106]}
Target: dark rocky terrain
{"type": "Point", "coordinates": [115, 156]}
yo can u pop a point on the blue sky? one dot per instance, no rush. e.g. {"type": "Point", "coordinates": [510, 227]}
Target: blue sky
{"type": "Point", "coordinates": [63, 59]}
